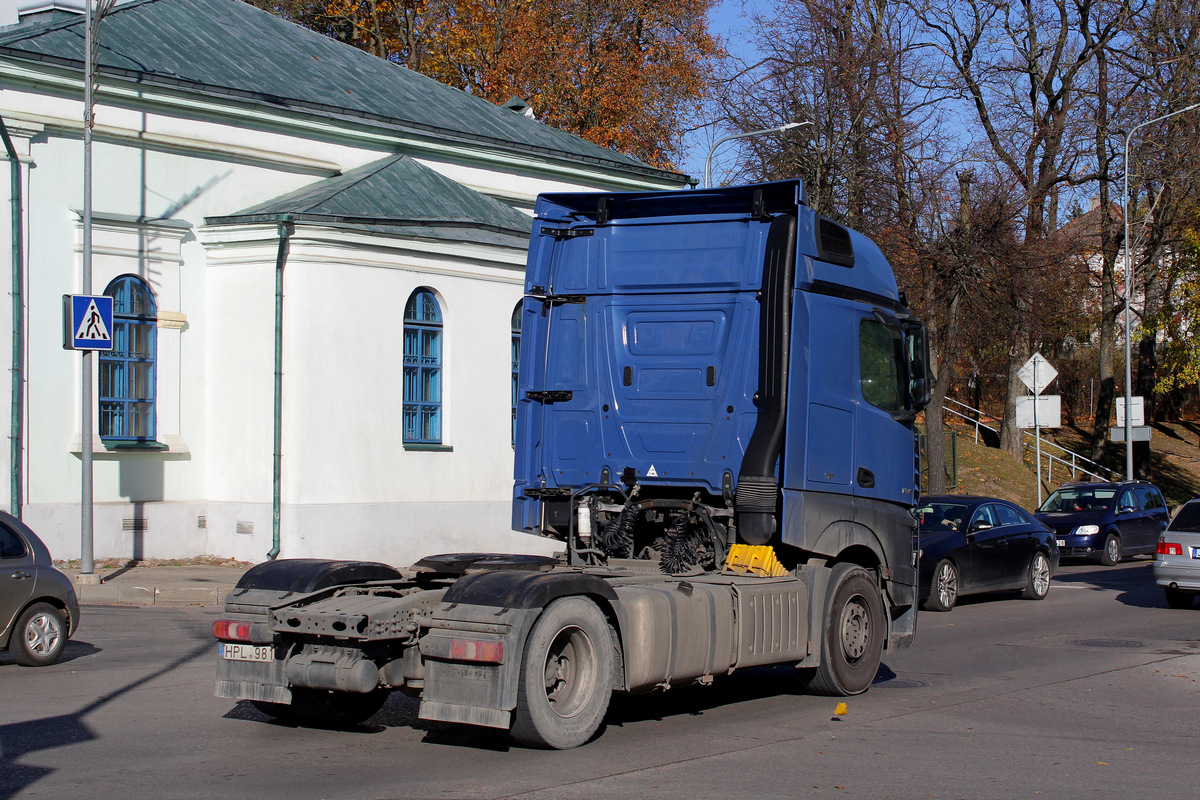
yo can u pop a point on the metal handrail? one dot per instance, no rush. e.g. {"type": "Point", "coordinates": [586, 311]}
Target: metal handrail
{"type": "Point", "coordinates": [1076, 463]}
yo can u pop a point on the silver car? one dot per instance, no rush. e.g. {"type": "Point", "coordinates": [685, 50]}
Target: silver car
{"type": "Point", "coordinates": [1177, 561]}
{"type": "Point", "coordinates": [38, 608]}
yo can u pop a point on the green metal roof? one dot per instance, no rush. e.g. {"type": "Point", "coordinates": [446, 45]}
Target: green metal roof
{"type": "Point", "coordinates": [229, 48]}
{"type": "Point", "coordinates": [397, 194]}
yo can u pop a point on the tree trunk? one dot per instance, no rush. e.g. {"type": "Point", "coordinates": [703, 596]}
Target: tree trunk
{"type": "Point", "coordinates": [1011, 439]}
{"type": "Point", "coordinates": [935, 430]}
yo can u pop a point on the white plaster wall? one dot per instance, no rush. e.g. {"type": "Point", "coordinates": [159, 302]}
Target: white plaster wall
{"type": "Point", "coordinates": [128, 181]}
{"type": "Point", "coordinates": [349, 487]}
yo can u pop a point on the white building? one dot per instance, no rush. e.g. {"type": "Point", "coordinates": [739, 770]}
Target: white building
{"type": "Point", "coordinates": [230, 148]}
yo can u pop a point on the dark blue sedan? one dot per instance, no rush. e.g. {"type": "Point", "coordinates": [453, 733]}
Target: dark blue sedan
{"type": "Point", "coordinates": [981, 544]}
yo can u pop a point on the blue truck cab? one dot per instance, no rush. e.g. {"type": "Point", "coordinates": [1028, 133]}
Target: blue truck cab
{"type": "Point", "coordinates": [704, 368]}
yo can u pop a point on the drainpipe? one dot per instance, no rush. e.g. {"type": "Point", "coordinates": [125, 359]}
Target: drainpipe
{"type": "Point", "coordinates": [18, 322]}
{"type": "Point", "coordinates": [286, 228]}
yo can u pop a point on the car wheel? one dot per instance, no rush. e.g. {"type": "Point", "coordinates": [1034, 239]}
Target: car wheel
{"type": "Point", "coordinates": [943, 590]}
{"type": "Point", "coordinates": [566, 676]}
{"type": "Point", "coordinates": [1111, 555]}
{"type": "Point", "coordinates": [855, 627]}
{"type": "Point", "coordinates": [1178, 599]}
{"type": "Point", "coordinates": [39, 637]}
{"type": "Point", "coordinates": [1037, 579]}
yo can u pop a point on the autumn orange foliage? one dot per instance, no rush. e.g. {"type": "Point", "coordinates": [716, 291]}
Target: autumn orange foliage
{"type": "Point", "coordinates": [625, 74]}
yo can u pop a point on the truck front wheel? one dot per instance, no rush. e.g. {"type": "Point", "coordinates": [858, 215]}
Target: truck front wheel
{"type": "Point", "coordinates": [854, 631]}
{"type": "Point", "coordinates": [566, 676]}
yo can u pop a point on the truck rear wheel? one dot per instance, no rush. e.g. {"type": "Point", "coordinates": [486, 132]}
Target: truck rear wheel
{"type": "Point", "coordinates": [566, 676]}
{"type": "Point", "coordinates": [854, 631]}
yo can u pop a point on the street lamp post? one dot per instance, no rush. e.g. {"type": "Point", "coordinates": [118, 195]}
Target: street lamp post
{"type": "Point", "coordinates": [708, 159]}
{"type": "Point", "coordinates": [1125, 214]}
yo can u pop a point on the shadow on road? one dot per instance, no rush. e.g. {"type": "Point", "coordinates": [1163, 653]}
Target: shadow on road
{"type": "Point", "coordinates": [757, 683]}
{"type": "Point", "coordinates": [1133, 581]}
{"type": "Point", "coordinates": [74, 649]}
{"type": "Point", "coordinates": [18, 739]}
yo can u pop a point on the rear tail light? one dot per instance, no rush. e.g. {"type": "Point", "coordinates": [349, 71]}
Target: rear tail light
{"type": "Point", "coordinates": [229, 630]}
{"type": "Point", "coordinates": [1166, 548]}
{"type": "Point", "coordinates": [476, 651]}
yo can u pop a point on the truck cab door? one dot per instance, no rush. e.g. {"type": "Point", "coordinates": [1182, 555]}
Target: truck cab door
{"type": "Point", "coordinates": [884, 442]}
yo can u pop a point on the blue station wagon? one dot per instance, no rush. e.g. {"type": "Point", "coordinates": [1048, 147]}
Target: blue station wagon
{"type": "Point", "coordinates": [1105, 521]}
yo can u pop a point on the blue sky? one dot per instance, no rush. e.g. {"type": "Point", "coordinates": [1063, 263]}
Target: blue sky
{"type": "Point", "coordinates": [727, 21]}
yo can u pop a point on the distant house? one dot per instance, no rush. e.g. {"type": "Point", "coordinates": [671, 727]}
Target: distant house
{"type": "Point", "coordinates": [232, 148]}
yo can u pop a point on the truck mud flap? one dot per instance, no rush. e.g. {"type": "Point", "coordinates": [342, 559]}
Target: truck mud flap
{"type": "Point", "coordinates": [247, 680]}
{"type": "Point", "coordinates": [472, 657]}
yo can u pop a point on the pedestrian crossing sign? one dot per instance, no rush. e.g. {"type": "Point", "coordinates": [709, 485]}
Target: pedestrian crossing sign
{"type": "Point", "coordinates": [87, 322]}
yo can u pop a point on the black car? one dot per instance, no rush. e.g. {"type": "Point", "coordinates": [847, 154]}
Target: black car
{"type": "Point", "coordinates": [1106, 521]}
{"type": "Point", "coordinates": [981, 544]}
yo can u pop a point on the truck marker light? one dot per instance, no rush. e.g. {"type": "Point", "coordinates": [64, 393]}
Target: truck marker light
{"type": "Point", "coordinates": [230, 630]}
{"type": "Point", "coordinates": [476, 651]}
{"type": "Point", "coordinates": [1169, 548]}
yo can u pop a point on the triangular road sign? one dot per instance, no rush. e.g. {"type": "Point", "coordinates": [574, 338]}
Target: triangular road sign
{"type": "Point", "coordinates": [91, 327]}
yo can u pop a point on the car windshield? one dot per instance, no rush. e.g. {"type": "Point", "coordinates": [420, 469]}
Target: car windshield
{"type": "Point", "coordinates": [1080, 498]}
{"type": "Point", "coordinates": [1188, 519]}
{"type": "Point", "coordinates": [940, 516]}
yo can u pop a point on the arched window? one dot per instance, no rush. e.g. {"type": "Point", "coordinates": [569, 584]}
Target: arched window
{"type": "Point", "coordinates": [422, 369]}
{"type": "Point", "coordinates": [516, 361]}
{"type": "Point", "coordinates": [127, 371]}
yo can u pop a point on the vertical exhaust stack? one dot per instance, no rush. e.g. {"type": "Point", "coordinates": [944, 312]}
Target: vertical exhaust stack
{"type": "Point", "coordinates": [757, 497]}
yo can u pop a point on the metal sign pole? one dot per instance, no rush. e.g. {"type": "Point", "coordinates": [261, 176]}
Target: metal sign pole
{"type": "Point", "coordinates": [1037, 432]}
{"type": "Point", "coordinates": [86, 566]}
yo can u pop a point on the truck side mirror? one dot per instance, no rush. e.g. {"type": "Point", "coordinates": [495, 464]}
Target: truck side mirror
{"type": "Point", "coordinates": [920, 378]}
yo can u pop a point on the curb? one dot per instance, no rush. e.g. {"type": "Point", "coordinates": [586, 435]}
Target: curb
{"type": "Point", "coordinates": [117, 595]}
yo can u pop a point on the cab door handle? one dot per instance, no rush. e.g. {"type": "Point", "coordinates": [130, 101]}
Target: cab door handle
{"type": "Point", "coordinates": [20, 575]}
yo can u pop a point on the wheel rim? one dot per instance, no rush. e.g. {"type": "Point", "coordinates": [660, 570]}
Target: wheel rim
{"type": "Point", "coordinates": [1041, 574]}
{"type": "Point", "coordinates": [570, 668]}
{"type": "Point", "coordinates": [947, 585]}
{"type": "Point", "coordinates": [1114, 549]}
{"type": "Point", "coordinates": [42, 633]}
{"type": "Point", "coordinates": [856, 628]}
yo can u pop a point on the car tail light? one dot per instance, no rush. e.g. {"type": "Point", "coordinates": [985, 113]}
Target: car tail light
{"type": "Point", "coordinates": [476, 651]}
{"type": "Point", "coordinates": [1166, 548]}
{"type": "Point", "coordinates": [230, 630]}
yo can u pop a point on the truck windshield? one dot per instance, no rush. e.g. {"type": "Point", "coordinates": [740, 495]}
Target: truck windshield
{"type": "Point", "coordinates": [1079, 499]}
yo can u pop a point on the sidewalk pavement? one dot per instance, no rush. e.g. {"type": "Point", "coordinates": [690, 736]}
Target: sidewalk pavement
{"type": "Point", "coordinates": [142, 585]}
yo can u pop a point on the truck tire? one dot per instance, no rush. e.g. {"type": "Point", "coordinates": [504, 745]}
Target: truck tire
{"type": "Point", "coordinates": [566, 676]}
{"type": "Point", "coordinates": [39, 636]}
{"type": "Point", "coordinates": [325, 708]}
{"type": "Point", "coordinates": [855, 628]}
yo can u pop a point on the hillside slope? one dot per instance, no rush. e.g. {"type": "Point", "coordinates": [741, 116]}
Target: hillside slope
{"type": "Point", "coordinates": [983, 470]}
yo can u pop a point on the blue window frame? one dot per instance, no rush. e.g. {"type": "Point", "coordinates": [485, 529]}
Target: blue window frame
{"type": "Point", "coordinates": [422, 369]}
{"type": "Point", "coordinates": [516, 361]}
{"type": "Point", "coordinates": [127, 371]}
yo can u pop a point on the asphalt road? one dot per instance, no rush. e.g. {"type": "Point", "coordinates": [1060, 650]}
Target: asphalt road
{"type": "Point", "coordinates": [1091, 693]}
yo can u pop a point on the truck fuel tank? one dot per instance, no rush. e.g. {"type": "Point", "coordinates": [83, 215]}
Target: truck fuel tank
{"type": "Point", "coordinates": [675, 633]}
